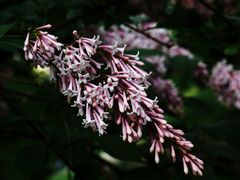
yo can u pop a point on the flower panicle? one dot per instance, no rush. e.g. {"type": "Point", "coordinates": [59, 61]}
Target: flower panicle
{"type": "Point", "coordinates": [98, 79]}
{"type": "Point", "coordinates": [168, 91]}
{"type": "Point", "coordinates": [42, 48]}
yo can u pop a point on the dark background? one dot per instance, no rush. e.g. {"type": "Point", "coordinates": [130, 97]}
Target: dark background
{"type": "Point", "coordinates": [40, 135]}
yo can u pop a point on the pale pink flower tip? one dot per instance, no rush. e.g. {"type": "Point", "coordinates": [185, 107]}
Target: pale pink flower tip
{"type": "Point", "coordinates": [47, 26]}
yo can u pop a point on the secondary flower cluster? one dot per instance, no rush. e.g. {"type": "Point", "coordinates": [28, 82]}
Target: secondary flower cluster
{"type": "Point", "coordinates": [159, 63]}
{"type": "Point", "coordinates": [168, 91]}
{"type": "Point", "coordinates": [104, 83]}
{"type": "Point", "coordinates": [135, 40]}
{"type": "Point", "coordinates": [225, 81]}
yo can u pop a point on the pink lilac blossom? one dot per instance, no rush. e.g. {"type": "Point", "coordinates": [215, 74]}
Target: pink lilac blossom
{"type": "Point", "coordinates": [179, 51]}
{"type": "Point", "coordinates": [43, 48]}
{"type": "Point", "coordinates": [98, 79]}
{"type": "Point", "coordinates": [135, 40]}
{"type": "Point", "coordinates": [201, 73]}
{"type": "Point", "coordinates": [124, 35]}
{"type": "Point", "coordinates": [168, 91]}
{"type": "Point", "coordinates": [159, 63]}
{"type": "Point", "coordinates": [225, 81]}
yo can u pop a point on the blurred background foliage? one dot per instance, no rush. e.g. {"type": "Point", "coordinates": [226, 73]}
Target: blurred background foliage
{"type": "Point", "coordinates": [40, 135]}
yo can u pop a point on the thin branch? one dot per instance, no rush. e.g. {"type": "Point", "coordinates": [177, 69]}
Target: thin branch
{"type": "Point", "coordinates": [218, 13]}
{"type": "Point", "coordinates": [208, 6]}
{"type": "Point", "coordinates": [168, 45]}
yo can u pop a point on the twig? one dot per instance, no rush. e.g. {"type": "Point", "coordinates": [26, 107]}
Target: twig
{"type": "Point", "coordinates": [218, 13]}
{"type": "Point", "coordinates": [168, 45]}
{"type": "Point", "coordinates": [208, 6]}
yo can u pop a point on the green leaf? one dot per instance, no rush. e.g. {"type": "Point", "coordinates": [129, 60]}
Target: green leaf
{"type": "Point", "coordinates": [4, 29]}
{"type": "Point", "coordinates": [231, 50]}
{"type": "Point", "coordinates": [138, 18]}
{"type": "Point", "coordinates": [63, 174]}
{"type": "Point", "coordinates": [11, 44]}
{"type": "Point", "coordinates": [233, 18]}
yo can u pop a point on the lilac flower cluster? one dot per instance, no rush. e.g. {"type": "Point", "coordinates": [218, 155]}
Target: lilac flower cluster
{"type": "Point", "coordinates": [179, 51]}
{"type": "Point", "coordinates": [159, 63]}
{"type": "Point", "coordinates": [100, 79]}
{"type": "Point", "coordinates": [43, 48]}
{"type": "Point", "coordinates": [225, 81]}
{"type": "Point", "coordinates": [136, 40]}
{"type": "Point", "coordinates": [168, 91]}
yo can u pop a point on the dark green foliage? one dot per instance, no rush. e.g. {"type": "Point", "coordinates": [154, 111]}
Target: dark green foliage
{"type": "Point", "coordinates": [40, 135]}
